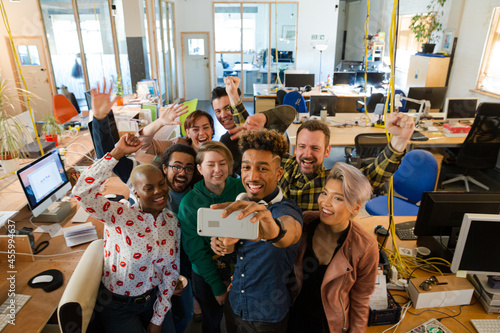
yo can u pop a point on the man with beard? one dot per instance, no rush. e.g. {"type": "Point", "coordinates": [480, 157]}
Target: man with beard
{"type": "Point", "coordinates": [231, 112]}
{"type": "Point", "coordinates": [305, 175]}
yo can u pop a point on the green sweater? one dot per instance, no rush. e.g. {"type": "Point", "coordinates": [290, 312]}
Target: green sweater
{"type": "Point", "coordinates": [197, 247]}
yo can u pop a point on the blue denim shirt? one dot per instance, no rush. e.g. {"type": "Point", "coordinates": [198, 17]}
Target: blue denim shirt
{"type": "Point", "coordinates": [259, 291]}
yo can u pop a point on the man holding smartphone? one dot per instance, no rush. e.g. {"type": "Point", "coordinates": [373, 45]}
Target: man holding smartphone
{"type": "Point", "coordinates": [259, 298]}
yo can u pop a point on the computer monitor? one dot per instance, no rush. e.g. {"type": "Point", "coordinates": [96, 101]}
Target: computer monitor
{"type": "Point", "coordinates": [478, 245]}
{"type": "Point", "coordinates": [318, 103]}
{"type": "Point", "coordinates": [285, 56]}
{"type": "Point", "coordinates": [456, 109]}
{"type": "Point", "coordinates": [299, 80]}
{"type": "Point", "coordinates": [44, 181]}
{"type": "Point", "coordinates": [344, 78]}
{"type": "Point", "coordinates": [88, 98]}
{"type": "Point", "coordinates": [372, 79]}
{"type": "Point", "coordinates": [435, 95]}
{"type": "Point", "coordinates": [441, 213]}
{"type": "Point", "coordinates": [350, 65]}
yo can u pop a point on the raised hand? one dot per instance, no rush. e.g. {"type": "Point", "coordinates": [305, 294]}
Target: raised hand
{"type": "Point", "coordinates": [401, 126]}
{"type": "Point", "coordinates": [101, 104]}
{"type": "Point", "coordinates": [128, 144]}
{"type": "Point", "coordinates": [169, 113]}
{"type": "Point", "coordinates": [232, 83]}
{"type": "Point", "coordinates": [255, 122]}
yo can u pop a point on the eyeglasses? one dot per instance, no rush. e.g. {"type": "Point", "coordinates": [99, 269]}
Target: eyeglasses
{"type": "Point", "coordinates": [178, 169]}
{"type": "Point", "coordinates": [427, 284]}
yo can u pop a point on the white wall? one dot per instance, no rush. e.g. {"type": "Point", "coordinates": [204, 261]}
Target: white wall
{"type": "Point", "coordinates": [25, 20]}
{"type": "Point", "coordinates": [314, 17]}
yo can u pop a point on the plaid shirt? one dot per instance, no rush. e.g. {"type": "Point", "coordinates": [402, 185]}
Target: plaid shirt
{"type": "Point", "coordinates": [240, 114]}
{"type": "Point", "coordinates": [305, 191]}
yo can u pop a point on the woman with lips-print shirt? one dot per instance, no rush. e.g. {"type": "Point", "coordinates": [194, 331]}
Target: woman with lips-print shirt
{"type": "Point", "coordinates": [141, 257]}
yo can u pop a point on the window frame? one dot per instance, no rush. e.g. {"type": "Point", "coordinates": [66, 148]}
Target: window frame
{"type": "Point", "coordinates": [487, 58]}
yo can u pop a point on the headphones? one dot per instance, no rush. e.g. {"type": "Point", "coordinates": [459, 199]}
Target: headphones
{"type": "Point", "coordinates": [307, 88]}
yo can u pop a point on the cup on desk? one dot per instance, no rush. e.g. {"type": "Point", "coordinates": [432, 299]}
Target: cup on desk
{"type": "Point", "coordinates": [323, 114]}
{"type": "Point", "coordinates": [423, 252]}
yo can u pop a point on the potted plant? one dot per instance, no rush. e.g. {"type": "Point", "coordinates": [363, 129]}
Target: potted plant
{"type": "Point", "coordinates": [13, 134]}
{"type": "Point", "coordinates": [119, 91]}
{"type": "Point", "coordinates": [425, 24]}
{"type": "Point", "coordinates": [51, 128]}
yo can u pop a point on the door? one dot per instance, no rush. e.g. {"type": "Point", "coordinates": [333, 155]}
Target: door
{"type": "Point", "coordinates": [33, 63]}
{"type": "Point", "coordinates": [196, 60]}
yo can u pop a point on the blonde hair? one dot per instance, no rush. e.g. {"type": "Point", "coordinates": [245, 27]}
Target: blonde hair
{"type": "Point", "coordinates": [140, 170]}
{"type": "Point", "coordinates": [356, 187]}
{"type": "Point", "coordinates": [218, 148]}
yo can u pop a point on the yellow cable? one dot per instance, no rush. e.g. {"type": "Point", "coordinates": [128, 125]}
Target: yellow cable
{"type": "Point", "coordinates": [26, 92]}
{"type": "Point", "coordinates": [367, 22]}
{"type": "Point", "coordinates": [278, 79]}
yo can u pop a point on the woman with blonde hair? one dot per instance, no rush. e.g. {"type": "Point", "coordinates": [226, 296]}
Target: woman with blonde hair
{"type": "Point", "coordinates": [336, 264]}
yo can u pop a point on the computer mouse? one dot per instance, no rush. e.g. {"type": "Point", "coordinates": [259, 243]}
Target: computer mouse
{"type": "Point", "coordinates": [42, 279]}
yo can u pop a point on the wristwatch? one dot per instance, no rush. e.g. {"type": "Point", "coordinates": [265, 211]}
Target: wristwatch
{"type": "Point", "coordinates": [281, 233]}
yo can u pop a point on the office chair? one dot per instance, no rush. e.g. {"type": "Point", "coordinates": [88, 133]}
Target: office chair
{"type": "Point", "coordinates": [77, 303]}
{"type": "Point", "coordinates": [371, 103]}
{"type": "Point", "coordinates": [295, 99]}
{"type": "Point", "coordinates": [367, 147]}
{"type": "Point", "coordinates": [481, 146]}
{"type": "Point", "coordinates": [416, 174]}
{"type": "Point", "coordinates": [280, 96]}
{"type": "Point", "coordinates": [63, 109]}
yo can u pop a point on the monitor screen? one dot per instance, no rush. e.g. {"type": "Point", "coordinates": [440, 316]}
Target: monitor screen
{"type": "Point", "coordinates": [299, 80]}
{"type": "Point", "coordinates": [372, 79]}
{"type": "Point", "coordinates": [285, 56]}
{"type": "Point", "coordinates": [441, 213]}
{"type": "Point", "coordinates": [350, 65]}
{"type": "Point", "coordinates": [44, 181]}
{"type": "Point", "coordinates": [435, 95]}
{"type": "Point", "coordinates": [344, 78]}
{"type": "Point", "coordinates": [478, 246]}
{"type": "Point", "coordinates": [460, 108]}
{"type": "Point", "coordinates": [319, 103]}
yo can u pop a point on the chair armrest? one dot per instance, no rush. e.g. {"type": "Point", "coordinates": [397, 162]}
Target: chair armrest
{"type": "Point", "coordinates": [78, 300]}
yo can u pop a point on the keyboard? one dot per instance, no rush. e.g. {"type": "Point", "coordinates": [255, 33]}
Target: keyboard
{"type": "Point", "coordinates": [405, 230]}
{"type": "Point", "coordinates": [5, 314]}
{"type": "Point", "coordinates": [417, 136]}
{"type": "Point", "coordinates": [486, 325]}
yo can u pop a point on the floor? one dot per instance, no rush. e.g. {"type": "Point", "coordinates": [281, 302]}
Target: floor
{"type": "Point", "coordinates": [489, 177]}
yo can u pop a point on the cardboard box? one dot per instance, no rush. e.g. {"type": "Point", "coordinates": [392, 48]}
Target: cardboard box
{"type": "Point", "coordinates": [455, 130]}
{"type": "Point", "coordinates": [458, 291]}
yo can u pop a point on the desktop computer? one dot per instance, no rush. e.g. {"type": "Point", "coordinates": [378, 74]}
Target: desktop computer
{"type": "Point", "coordinates": [435, 95]}
{"type": "Point", "coordinates": [456, 109]}
{"type": "Point", "coordinates": [299, 80]}
{"type": "Point", "coordinates": [318, 103]}
{"type": "Point", "coordinates": [44, 181]}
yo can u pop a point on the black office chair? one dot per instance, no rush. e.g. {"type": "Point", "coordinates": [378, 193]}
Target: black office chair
{"type": "Point", "coordinates": [371, 103]}
{"type": "Point", "coordinates": [367, 148]}
{"type": "Point", "coordinates": [481, 146]}
{"type": "Point", "coordinates": [280, 96]}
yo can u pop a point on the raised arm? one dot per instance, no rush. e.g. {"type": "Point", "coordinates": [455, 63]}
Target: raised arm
{"type": "Point", "coordinates": [167, 117]}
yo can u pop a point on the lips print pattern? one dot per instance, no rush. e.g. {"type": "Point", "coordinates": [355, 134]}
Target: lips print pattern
{"type": "Point", "coordinates": [136, 258]}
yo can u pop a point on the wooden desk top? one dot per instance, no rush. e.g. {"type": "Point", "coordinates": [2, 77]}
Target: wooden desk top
{"type": "Point", "coordinates": [343, 131]}
{"type": "Point", "coordinates": [416, 317]}
{"type": "Point", "coordinates": [41, 306]}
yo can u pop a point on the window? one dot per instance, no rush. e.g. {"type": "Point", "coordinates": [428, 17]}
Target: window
{"type": "Point", "coordinates": [489, 75]}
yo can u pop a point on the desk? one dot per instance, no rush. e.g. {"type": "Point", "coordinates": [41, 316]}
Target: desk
{"type": "Point", "coordinates": [41, 306]}
{"type": "Point", "coordinates": [475, 311]}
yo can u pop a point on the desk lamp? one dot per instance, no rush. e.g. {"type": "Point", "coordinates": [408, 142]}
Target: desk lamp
{"type": "Point", "coordinates": [423, 111]}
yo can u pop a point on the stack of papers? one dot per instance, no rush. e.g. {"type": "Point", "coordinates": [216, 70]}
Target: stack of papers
{"type": "Point", "coordinates": [80, 234]}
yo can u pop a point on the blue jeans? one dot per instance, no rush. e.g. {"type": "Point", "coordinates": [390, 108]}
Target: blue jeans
{"type": "Point", "coordinates": [123, 317]}
{"type": "Point", "coordinates": [182, 308]}
{"type": "Point", "coordinates": [212, 311]}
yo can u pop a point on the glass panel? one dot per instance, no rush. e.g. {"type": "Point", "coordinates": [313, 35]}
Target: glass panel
{"type": "Point", "coordinates": [122, 47]}
{"type": "Point", "coordinates": [228, 64]}
{"type": "Point", "coordinates": [24, 56]}
{"type": "Point", "coordinates": [255, 44]}
{"type": "Point", "coordinates": [227, 18]}
{"type": "Point", "coordinates": [173, 68]}
{"type": "Point", "coordinates": [97, 40]}
{"type": "Point", "coordinates": [34, 57]}
{"type": "Point", "coordinates": [146, 34]}
{"type": "Point", "coordinates": [196, 46]}
{"type": "Point", "coordinates": [64, 48]}
{"type": "Point", "coordinates": [283, 37]}
{"type": "Point", "coordinates": [160, 50]}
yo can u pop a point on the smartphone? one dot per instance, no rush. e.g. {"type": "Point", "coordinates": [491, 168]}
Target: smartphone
{"type": "Point", "coordinates": [210, 223]}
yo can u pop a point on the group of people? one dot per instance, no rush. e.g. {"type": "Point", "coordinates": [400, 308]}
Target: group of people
{"type": "Point", "coordinates": [312, 267]}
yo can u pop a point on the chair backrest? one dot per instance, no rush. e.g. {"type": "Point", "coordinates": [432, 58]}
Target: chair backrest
{"type": "Point", "coordinates": [63, 109]}
{"type": "Point", "coordinates": [368, 146]}
{"type": "Point", "coordinates": [373, 101]}
{"type": "Point", "coordinates": [280, 96]}
{"type": "Point", "coordinates": [78, 300]}
{"type": "Point", "coordinates": [482, 144]}
{"type": "Point", "coordinates": [416, 174]}
{"type": "Point", "coordinates": [295, 99]}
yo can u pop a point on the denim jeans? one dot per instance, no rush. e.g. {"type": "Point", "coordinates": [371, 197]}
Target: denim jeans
{"type": "Point", "coordinates": [182, 308]}
{"type": "Point", "coordinates": [123, 317]}
{"type": "Point", "coordinates": [212, 311]}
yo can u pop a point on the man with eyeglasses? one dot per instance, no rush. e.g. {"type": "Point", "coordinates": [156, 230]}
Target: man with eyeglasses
{"type": "Point", "coordinates": [231, 112]}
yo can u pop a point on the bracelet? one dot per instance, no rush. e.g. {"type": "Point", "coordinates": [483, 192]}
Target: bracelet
{"type": "Point", "coordinates": [281, 233]}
